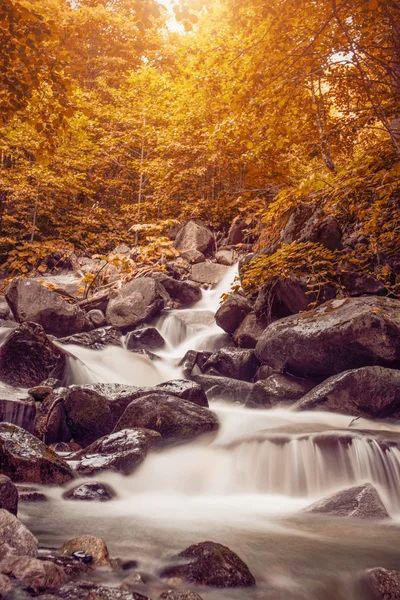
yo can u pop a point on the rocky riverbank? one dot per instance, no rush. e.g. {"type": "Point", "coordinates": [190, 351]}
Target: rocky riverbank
{"type": "Point", "coordinates": [341, 357]}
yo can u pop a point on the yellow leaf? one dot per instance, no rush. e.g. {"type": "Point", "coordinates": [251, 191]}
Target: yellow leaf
{"type": "Point", "coordinates": [314, 106]}
{"type": "Point", "coordinates": [250, 145]}
{"type": "Point", "coordinates": [373, 4]}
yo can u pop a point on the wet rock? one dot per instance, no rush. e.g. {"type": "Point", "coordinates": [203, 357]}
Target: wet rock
{"type": "Point", "coordinates": [175, 419]}
{"type": "Point", "coordinates": [249, 331]}
{"type": "Point", "coordinates": [134, 303]}
{"type": "Point", "coordinates": [8, 495]}
{"type": "Point", "coordinates": [193, 361]}
{"type": "Point", "coordinates": [27, 357]}
{"type": "Point", "coordinates": [187, 390]}
{"type": "Point", "coordinates": [336, 336]}
{"type": "Point", "coordinates": [193, 256]}
{"type": "Point", "coordinates": [147, 338]}
{"type": "Point", "coordinates": [367, 392]}
{"type": "Point", "coordinates": [98, 301]}
{"type": "Point", "coordinates": [88, 590]}
{"type": "Point", "coordinates": [278, 389]}
{"type": "Point", "coordinates": [5, 585]}
{"type": "Point", "coordinates": [88, 415]}
{"type": "Point", "coordinates": [194, 236]}
{"type": "Point", "coordinates": [96, 339]}
{"type": "Point", "coordinates": [24, 458]}
{"type": "Point", "coordinates": [72, 566]}
{"type": "Point", "coordinates": [226, 257]}
{"type": "Point", "coordinates": [180, 595]}
{"type": "Point", "coordinates": [225, 388]}
{"type": "Point", "coordinates": [236, 363]}
{"type": "Point", "coordinates": [185, 292]}
{"type": "Point", "coordinates": [213, 565]}
{"type": "Point", "coordinates": [232, 312]}
{"type": "Point", "coordinates": [28, 493]}
{"type": "Point", "coordinates": [34, 573]}
{"type": "Point", "coordinates": [122, 451]}
{"type": "Point", "coordinates": [381, 584]}
{"type": "Point", "coordinates": [97, 318]}
{"type": "Point", "coordinates": [89, 544]}
{"type": "Point", "coordinates": [30, 301]}
{"type": "Point", "coordinates": [17, 539]}
{"type": "Point", "coordinates": [51, 420]}
{"type": "Point", "coordinates": [361, 502]}
{"type": "Point", "coordinates": [91, 492]}
{"type": "Point", "coordinates": [355, 284]}
{"type": "Point", "coordinates": [208, 272]}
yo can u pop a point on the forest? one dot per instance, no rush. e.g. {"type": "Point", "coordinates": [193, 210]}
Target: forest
{"type": "Point", "coordinates": [116, 125]}
{"type": "Point", "coordinates": [199, 299]}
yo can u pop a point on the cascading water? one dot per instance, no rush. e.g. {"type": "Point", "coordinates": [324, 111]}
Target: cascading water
{"type": "Point", "coordinates": [245, 488]}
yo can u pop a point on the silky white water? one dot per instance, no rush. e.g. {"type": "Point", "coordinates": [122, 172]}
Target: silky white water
{"type": "Point", "coordinates": [245, 487]}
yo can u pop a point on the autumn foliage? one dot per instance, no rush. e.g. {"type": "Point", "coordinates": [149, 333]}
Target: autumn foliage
{"type": "Point", "coordinates": [115, 124]}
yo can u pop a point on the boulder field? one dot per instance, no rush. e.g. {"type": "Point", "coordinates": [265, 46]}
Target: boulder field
{"type": "Point", "coordinates": [343, 356]}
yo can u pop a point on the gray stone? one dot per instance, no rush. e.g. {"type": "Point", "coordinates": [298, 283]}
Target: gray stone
{"type": "Point", "coordinates": [24, 458]}
{"type": "Point", "coordinates": [27, 357]}
{"type": "Point", "coordinates": [17, 539]}
{"type": "Point", "coordinates": [147, 338]}
{"type": "Point", "coordinates": [135, 302]}
{"type": "Point", "coordinates": [249, 331]}
{"type": "Point", "coordinates": [278, 389]}
{"type": "Point", "coordinates": [96, 339]}
{"type": "Point", "coordinates": [237, 363]}
{"type": "Point", "coordinates": [371, 392]}
{"type": "Point", "coordinates": [175, 419]}
{"type": "Point", "coordinates": [336, 336]}
{"type": "Point", "coordinates": [226, 257]}
{"type": "Point", "coordinates": [91, 491]}
{"type": "Point", "coordinates": [361, 502]}
{"type": "Point", "coordinates": [36, 575]}
{"type": "Point", "coordinates": [193, 256]}
{"type": "Point", "coordinates": [209, 272]}
{"type": "Point", "coordinates": [30, 301]}
{"type": "Point", "coordinates": [232, 312]}
{"type": "Point", "coordinates": [88, 415]}
{"type": "Point", "coordinates": [194, 236]}
{"type": "Point", "coordinates": [97, 317]}
{"type": "Point", "coordinates": [380, 584]}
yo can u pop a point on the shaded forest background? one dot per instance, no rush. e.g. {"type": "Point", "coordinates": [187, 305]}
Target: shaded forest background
{"type": "Point", "coordinates": [115, 127]}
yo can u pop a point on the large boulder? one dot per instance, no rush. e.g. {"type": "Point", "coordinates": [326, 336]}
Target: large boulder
{"type": "Point", "coordinates": [380, 584]}
{"type": "Point", "coordinates": [194, 236]}
{"type": "Point", "coordinates": [30, 301]}
{"type": "Point", "coordinates": [232, 312]}
{"type": "Point", "coordinates": [15, 538]}
{"type": "Point", "coordinates": [88, 415]}
{"type": "Point", "coordinates": [135, 303]}
{"type": "Point", "coordinates": [226, 257]}
{"type": "Point", "coordinates": [122, 451]}
{"type": "Point", "coordinates": [8, 495]}
{"type": "Point", "coordinates": [25, 458]}
{"type": "Point", "coordinates": [336, 336]}
{"type": "Point", "coordinates": [249, 331]}
{"type": "Point", "coordinates": [361, 502]}
{"type": "Point", "coordinates": [175, 419]}
{"type": "Point", "coordinates": [27, 357]}
{"type": "Point", "coordinates": [208, 272]}
{"type": "Point", "coordinates": [185, 292]}
{"type": "Point", "coordinates": [278, 389]}
{"type": "Point", "coordinates": [36, 575]}
{"type": "Point", "coordinates": [237, 363]}
{"type": "Point", "coordinates": [211, 564]}
{"type": "Point", "coordinates": [367, 392]}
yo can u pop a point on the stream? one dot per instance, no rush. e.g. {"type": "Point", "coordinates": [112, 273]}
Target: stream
{"type": "Point", "coordinates": [246, 488]}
